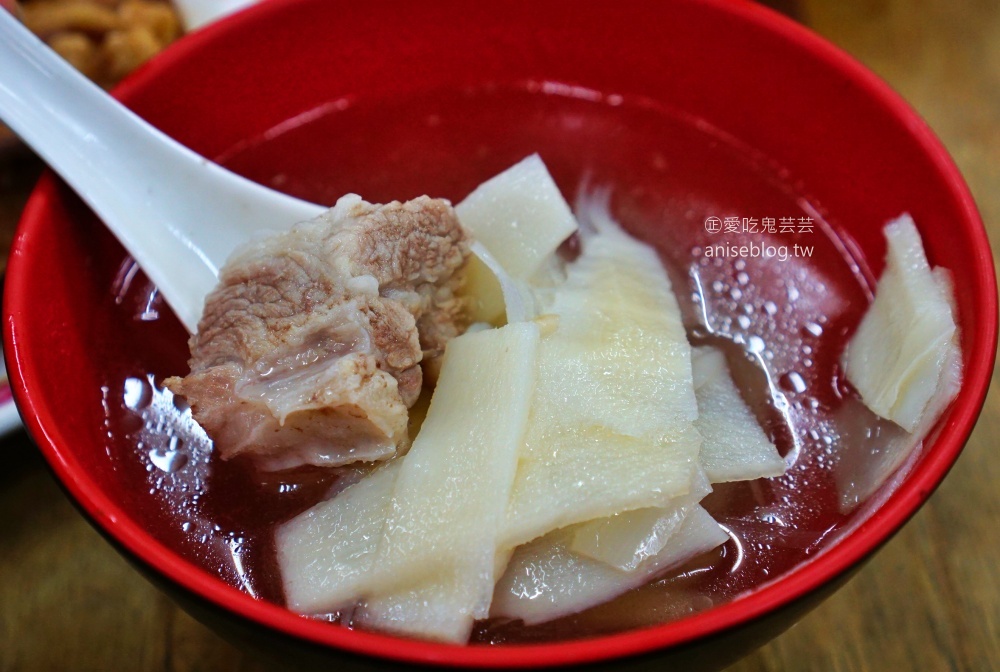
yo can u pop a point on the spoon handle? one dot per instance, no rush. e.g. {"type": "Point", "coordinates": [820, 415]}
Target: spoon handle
{"type": "Point", "coordinates": [178, 214]}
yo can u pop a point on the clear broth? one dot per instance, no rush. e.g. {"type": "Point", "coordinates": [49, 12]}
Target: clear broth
{"type": "Point", "coordinates": [781, 323]}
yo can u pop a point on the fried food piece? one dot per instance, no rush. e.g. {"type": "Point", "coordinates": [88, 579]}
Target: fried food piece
{"type": "Point", "coordinates": [104, 39]}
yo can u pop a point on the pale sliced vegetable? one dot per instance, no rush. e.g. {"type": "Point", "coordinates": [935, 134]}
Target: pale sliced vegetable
{"type": "Point", "coordinates": [866, 465]}
{"type": "Point", "coordinates": [336, 540]}
{"type": "Point", "coordinates": [896, 359]}
{"type": "Point", "coordinates": [439, 534]}
{"type": "Point", "coordinates": [425, 609]}
{"type": "Point", "coordinates": [520, 216]}
{"type": "Point", "coordinates": [734, 447]}
{"type": "Point", "coordinates": [612, 421]}
{"type": "Point", "coordinates": [545, 580]}
{"type": "Point", "coordinates": [626, 540]}
{"type": "Point", "coordinates": [620, 358]}
{"type": "Point", "coordinates": [495, 297]}
{"type": "Point", "coordinates": [483, 293]}
{"type": "Point", "coordinates": [950, 380]}
{"type": "Point", "coordinates": [576, 476]}
{"type": "Point", "coordinates": [434, 610]}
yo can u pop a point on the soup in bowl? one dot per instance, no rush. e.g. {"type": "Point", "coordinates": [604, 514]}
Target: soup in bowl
{"type": "Point", "coordinates": [758, 162]}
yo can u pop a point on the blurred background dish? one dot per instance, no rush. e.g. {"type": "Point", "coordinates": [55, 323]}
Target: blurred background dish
{"type": "Point", "coordinates": [104, 39]}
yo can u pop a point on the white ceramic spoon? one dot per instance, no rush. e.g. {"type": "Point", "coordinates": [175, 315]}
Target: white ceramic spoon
{"type": "Point", "coordinates": [178, 214]}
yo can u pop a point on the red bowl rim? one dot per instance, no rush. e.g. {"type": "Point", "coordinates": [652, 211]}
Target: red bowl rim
{"type": "Point", "coordinates": [848, 552]}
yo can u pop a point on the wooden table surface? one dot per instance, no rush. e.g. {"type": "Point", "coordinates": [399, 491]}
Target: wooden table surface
{"type": "Point", "coordinates": [929, 601]}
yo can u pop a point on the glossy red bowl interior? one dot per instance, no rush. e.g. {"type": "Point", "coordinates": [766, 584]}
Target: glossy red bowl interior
{"type": "Point", "coordinates": [271, 92]}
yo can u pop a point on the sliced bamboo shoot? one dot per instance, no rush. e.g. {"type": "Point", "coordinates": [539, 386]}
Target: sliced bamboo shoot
{"type": "Point", "coordinates": [612, 422]}
{"type": "Point", "coordinates": [545, 580]}
{"type": "Point", "coordinates": [860, 475]}
{"type": "Point", "coordinates": [628, 539]}
{"type": "Point", "coordinates": [520, 216]}
{"type": "Point", "coordinates": [896, 359]}
{"type": "Point", "coordinates": [335, 540]}
{"type": "Point", "coordinates": [734, 447]}
{"type": "Point", "coordinates": [449, 498]}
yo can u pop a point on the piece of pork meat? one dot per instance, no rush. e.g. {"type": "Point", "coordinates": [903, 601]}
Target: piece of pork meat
{"type": "Point", "coordinates": [309, 350]}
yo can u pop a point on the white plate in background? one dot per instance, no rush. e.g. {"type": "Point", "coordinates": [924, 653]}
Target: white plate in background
{"type": "Point", "coordinates": [9, 419]}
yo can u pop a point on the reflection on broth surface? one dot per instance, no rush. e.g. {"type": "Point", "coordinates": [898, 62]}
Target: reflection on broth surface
{"type": "Point", "coordinates": [781, 322]}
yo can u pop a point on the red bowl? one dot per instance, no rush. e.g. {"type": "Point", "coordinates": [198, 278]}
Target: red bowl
{"type": "Point", "coordinates": [321, 98]}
